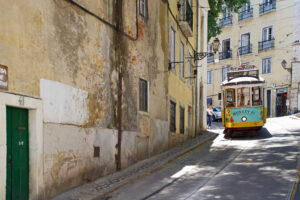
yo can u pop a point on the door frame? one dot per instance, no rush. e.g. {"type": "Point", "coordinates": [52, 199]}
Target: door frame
{"type": "Point", "coordinates": [35, 126]}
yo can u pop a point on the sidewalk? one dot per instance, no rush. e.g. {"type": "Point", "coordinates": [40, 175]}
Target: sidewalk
{"type": "Point", "coordinates": [103, 186]}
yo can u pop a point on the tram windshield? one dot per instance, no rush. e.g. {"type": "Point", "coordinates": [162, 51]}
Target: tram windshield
{"type": "Point", "coordinates": [243, 97]}
{"type": "Point", "coordinates": [230, 98]}
{"type": "Point", "coordinates": [256, 96]}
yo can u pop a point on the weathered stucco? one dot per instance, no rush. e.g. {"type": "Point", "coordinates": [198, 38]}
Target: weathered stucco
{"type": "Point", "coordinates": [67, 57]}
{"type": "Point", "coordinates": [71, 62]}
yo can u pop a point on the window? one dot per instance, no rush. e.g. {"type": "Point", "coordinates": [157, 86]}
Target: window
{"type": "Point", "coordinates": [267, 39]}
{"type": "Point", "coordinates": [209, 77]}
{"type": "Point", "coordinates": [144, 8]}
{"type": "Point", "coordinates": [209, 101]}
{"type": "Point", "coordinates": [190, 69]}
{"type": "Point", "coordinates": [230, 98]}
{"type": "Point", "coordinates": [210, 47]}
{"type": "Point", "coordinates": [172, 47]}
{"type": "Point", "coordinates": [243, 97]}
{"type": "Point", "coordinates": [224, 73]}
{"type": "Point", "coordinates": [182, 120]}
{"type": "Point", "coordinates": [256, 96]}
{"type": "Point", "coordinates": [143, 95]}
{"type": "Point", "coordinates": [182, 59]}
{"type": "Point", "coordinates": [226, 51]}
{"type": "Point", "coordinates": [226, 45]}
{"type": "Point", "coordinates": [266, 65]}
{"type": "Point", "coordinates": [246, 7]}
{"type": "Point", "coordinates": [267, 33]}
{"type": "Point", "coordinates": [172, 116]}
{"type": "Point", "coordinates": [245, 39]}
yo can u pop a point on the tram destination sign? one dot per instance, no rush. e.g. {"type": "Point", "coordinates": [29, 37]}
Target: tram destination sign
{"type": "Point", "coordinates": [3, 77]}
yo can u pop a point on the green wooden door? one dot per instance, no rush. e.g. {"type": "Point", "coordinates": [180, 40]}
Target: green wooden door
{"type": "Point", "coordinates": [17, 174]}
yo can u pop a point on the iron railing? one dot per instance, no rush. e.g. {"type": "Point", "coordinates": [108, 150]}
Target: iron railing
{"type": "Point", "coordinates": [245, 49]}
{"type": "Point", "coordinates": [267, 7]}
{"type": "Point", "coordinates": [266, 44]}
{"type": "Point", "coordinates": [245, 14]}
{"type": "Point", "coordinates": [225, 55]}
{"type": "Point", "coordinates": [210, 58]}
{"type": "Point", "coordinates": [227, 20]}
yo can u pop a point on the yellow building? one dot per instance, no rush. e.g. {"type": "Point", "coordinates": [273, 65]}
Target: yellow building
{"type": "Point", "coordinates": [260, 34]}
{"type": "Point", "coordinates": [187, 27]}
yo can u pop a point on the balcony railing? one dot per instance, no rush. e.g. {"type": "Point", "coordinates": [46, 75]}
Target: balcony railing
{"type": "Point", "coordinates": [227, 20]}
{"type": "Point", "coordinates": [210, 58]}
{"type": "Point", "coordinates": [245, 49]}
{"type": "Point", "coordinates": [267, 7]}
{"type": "Point", "coordinates": [225, 55]}
{"type": "Point", "coordinates": [245, 14]}
{"type": "Point", "coordinates": [186, 18]}
{"type": "Point", "coordinates": [266, 44]}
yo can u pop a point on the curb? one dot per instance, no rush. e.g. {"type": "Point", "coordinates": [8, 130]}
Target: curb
{"type": "Point", "coordinates": [102, 187]}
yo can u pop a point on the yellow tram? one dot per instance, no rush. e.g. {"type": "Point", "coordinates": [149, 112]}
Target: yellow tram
{"type": "Point", "coordinates": [244, 105]}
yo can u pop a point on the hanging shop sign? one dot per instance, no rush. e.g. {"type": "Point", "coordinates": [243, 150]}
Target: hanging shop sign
{"type": "Point", "coordinates": [3, 77]}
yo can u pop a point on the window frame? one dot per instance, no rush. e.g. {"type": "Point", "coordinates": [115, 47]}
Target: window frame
{"type": "Point", "coordinates": [181, 117]}
{"type": "Point", "coordinates": [182, 65]}
{"type": "Point", "coordinates": [143, 95]}
{"type": "Point", "coordinates": [172, 116]}
{"type": "Point", "coordinates": [239, 91]}
{"type": "Point", "coordinates": [190, 69]}
{"type": "Point", "coordinates": [266, 65]}
{"type": "Point", "coordinates": [173, 47]}
{"type": "Point", "coordinates": [143, 5]}
{"type": "Point", "coordinates": [209, 77]}
{"type": "Point", "coordinates": [259, 96]}
{"type": "Point", "coordinates": [234, 98]}
{"type": "Point", "coordinates": [223, 70]}
{"type": "Point", "coordinates": [267, 36]}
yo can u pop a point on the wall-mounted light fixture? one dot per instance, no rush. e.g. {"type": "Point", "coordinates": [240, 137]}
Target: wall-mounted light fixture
{"type": "Point", "coordinates": [202, 55]}
{"type": "Point", "coordinates": [199, 55]}
{"type": "Point", "coordinates": [283, 64]}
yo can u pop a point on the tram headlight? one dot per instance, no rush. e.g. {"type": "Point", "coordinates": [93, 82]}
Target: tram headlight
{"type": "Point", "coordinates": [244, 118]}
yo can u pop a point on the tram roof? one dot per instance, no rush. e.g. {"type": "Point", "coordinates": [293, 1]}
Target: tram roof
{"type": "Point", "coordinates": [243, 75]}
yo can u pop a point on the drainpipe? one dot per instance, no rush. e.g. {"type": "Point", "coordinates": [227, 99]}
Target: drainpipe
{"type": "Point", "coordinates": [119, 21]}
{"type": "Point", "coordinates": [196, 85]}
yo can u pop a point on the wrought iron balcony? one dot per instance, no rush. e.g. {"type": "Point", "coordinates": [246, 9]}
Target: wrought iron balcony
{"type": "Point", "coordinates": [246, 14]}
{"type": "Point", "coordinates": [210, 58]}
{"type": "Point", "coordinates": [186, 18]}
{"type": "Point", "coordinates": [266, 44]}
{"type": "Point", "coordinates": [245, 49]}
{"type": "Point", "coordinates": [225, 55]}
{"type": "Point", "coordinates": [267, 7]}
{"type": "Point", "coordinates": [227, 20]}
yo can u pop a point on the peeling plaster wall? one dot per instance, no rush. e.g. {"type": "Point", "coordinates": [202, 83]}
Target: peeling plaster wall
{"type": "Point", "coordinates": [66, 57]}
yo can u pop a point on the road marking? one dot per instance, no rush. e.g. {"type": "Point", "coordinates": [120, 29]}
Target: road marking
{"type": "Point", "coordinates": [295, 185]}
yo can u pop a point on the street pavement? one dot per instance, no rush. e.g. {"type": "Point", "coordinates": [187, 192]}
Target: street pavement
{"type": "Point", "coordinates": [251, 168]}
{"type": "Point", "coordinates": [246, 168]}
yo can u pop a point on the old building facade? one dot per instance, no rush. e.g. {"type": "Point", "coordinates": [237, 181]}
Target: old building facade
{"type": "Point", "coordinates": [261, 34]}
{"type": "Point", "coordinates": [187, 30]}
{"type": "Point", "coordinates": [85, 89]}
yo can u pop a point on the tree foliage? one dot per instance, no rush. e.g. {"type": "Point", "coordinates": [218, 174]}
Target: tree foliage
{"type": "Point", "coordinates": [215, 9]}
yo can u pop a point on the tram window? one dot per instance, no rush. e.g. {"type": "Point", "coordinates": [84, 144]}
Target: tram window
{"type": "Point", "coordinates": [256, 96]}
{"type": "Point", "coordinates": [243, 95]}
{"type": "Point", "coordinates": [230, 98]}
